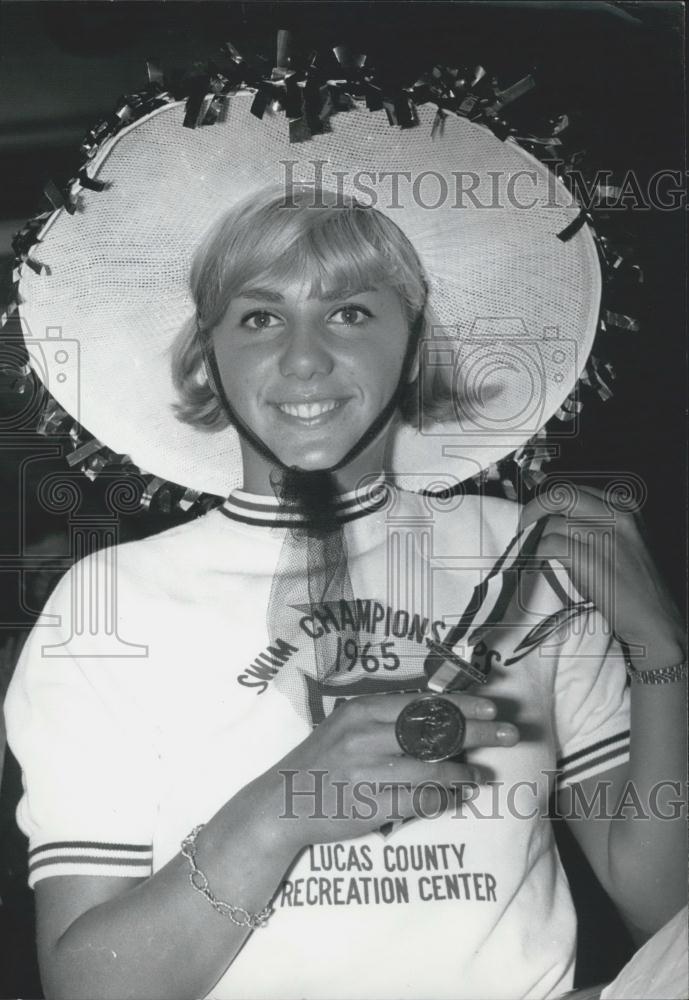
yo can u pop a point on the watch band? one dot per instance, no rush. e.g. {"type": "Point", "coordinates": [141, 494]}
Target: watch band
{"type": "Point", "coordinates": [658, 675]}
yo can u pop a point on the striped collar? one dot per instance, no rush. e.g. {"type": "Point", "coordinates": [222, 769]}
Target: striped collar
{"type": "Point", "coordinates": [251, 508]}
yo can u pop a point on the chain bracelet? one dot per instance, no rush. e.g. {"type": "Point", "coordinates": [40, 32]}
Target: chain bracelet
{"type": "Point", "coordinates": [198, 881]}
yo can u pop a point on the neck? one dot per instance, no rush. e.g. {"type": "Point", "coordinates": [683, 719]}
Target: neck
{"type": "Point", "coordinates": [258, 473]}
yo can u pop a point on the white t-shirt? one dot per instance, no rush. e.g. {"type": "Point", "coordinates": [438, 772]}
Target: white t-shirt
{"type": "Point", "coordinates": [135, 724]}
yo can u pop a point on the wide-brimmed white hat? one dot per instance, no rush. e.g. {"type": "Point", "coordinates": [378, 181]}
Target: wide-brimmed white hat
{"type": "Point", "coordinates": [515, 307]}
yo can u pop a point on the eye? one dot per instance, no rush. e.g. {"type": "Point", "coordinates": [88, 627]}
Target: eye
{"type": "Point", "coordinates": [260, 320]}
{"type": "Point", "coordinates": [350, 315]}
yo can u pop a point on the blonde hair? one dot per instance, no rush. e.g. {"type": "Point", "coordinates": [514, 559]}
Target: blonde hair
{"type": "Point", "coordinates": [345, 245]}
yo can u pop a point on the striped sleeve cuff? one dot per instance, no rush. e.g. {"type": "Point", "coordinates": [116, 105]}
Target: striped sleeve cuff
{"type": "Point", "coordinates": [89, 857]}
{"type": "Point", "coordinates": [600, 756]}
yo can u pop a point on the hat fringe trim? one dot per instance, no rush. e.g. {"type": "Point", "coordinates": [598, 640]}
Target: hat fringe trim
{"type": "Point", "coordinates": [308, 92]}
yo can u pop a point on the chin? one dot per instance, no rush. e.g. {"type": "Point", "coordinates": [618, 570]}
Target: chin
{"type": "Point", "coordinates": [315, 463]}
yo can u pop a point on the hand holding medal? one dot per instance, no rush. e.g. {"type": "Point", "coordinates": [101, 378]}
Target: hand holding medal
{"type": "Point", "coordinates": [431, 729]}
{"type": "Point", "coordinates": [378, 759]}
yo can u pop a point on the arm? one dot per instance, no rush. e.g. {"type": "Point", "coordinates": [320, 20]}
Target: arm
{"type": "Point", "coordinates": [638, 847]}
{"type": "Point", "coordinates": [117, 937]}
{"type": "Point", "coordinates": [131, 938]}
{"type": "Point", "coordinates": [640, 856]}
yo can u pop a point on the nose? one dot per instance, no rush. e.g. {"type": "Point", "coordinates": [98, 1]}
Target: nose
{"type": "Point", "coordinates": [306, 352]}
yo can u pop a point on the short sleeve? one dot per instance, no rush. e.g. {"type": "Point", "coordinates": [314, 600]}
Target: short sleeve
{"type": "Point", "coordinates": [88, 765]}
{"type": "Point", "coordinates": [591, 702]}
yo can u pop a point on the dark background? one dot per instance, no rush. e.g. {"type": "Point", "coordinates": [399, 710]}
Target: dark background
{"type": "Point", "coordinates": [616, 68]}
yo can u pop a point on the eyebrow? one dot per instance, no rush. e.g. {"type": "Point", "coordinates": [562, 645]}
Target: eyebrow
{"type": "Point", "coordinates": [260, 294]}
{"type": "Point", "coordinates": [270, 295]}
{"type": "Point", "coordinates": [345, 291]}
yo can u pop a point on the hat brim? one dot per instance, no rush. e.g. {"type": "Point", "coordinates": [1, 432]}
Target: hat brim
{"type": "Point", "coordinates": [516, 307]}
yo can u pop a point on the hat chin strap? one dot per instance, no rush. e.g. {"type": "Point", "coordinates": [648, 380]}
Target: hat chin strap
{"type": "Point", "coordinates": [300, 482]}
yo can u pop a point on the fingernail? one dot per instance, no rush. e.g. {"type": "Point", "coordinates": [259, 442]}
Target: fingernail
{"type": "Point", "coordinates": [506, 732]}
{"type": "Point", "coordinates": [487, 710]}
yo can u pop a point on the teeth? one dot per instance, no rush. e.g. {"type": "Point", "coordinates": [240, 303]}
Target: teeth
{"type": "Point", "coordinates": [307, 411]}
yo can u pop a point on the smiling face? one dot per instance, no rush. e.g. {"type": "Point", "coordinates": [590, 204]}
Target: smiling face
{"type": "Point", "coordinates": [308, 373]}
{"type": "Point", "coordinates": [308, 314]}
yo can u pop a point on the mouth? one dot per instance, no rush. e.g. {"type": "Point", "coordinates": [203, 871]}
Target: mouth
{"type": "Point", "coordinates": [311, 413]}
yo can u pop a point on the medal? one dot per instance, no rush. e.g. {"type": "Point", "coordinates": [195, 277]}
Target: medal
{"type": "Point", "coordinates": [431, 728]}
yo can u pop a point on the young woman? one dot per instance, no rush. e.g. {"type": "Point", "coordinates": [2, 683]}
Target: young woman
{"type": "Point", "coordinates": [229, 794]}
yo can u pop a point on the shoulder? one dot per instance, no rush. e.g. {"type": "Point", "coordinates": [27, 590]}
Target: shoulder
{"type": "Point", "coordinates": [118, 595]}
{"type": "Point", "coordinates": [95, 631]}
{"type": "Point", "coordinates": [158, 566]}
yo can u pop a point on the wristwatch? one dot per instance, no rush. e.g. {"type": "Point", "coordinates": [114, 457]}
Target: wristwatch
{"type": "Point", "coordinates": [656, 675]}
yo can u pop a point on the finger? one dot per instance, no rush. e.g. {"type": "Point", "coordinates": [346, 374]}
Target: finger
{"type": "Point", "coordinates": [477, 734]}
{"type": "Point", "coordinates": [490, 734]}
{"type": "Point", "coordinates": [386, 707]}
{"type": "Point", "coordinates": [432, 798]}
{"type": "Point", "coordinates": [412, 773]}
{"type": "Point", "coordinates": [431, 795]}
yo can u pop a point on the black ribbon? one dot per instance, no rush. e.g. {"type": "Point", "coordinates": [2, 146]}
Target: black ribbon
{"type": "Point", "coordinates": [574, 226]}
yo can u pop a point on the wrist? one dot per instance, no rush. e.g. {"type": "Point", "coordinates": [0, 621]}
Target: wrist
{"type": "Point", "coordinates": [670, 667]}
{"type": "Point", "coordinates": [655, 654]}
{"type": "Point", "coordinates": [262, 803]}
